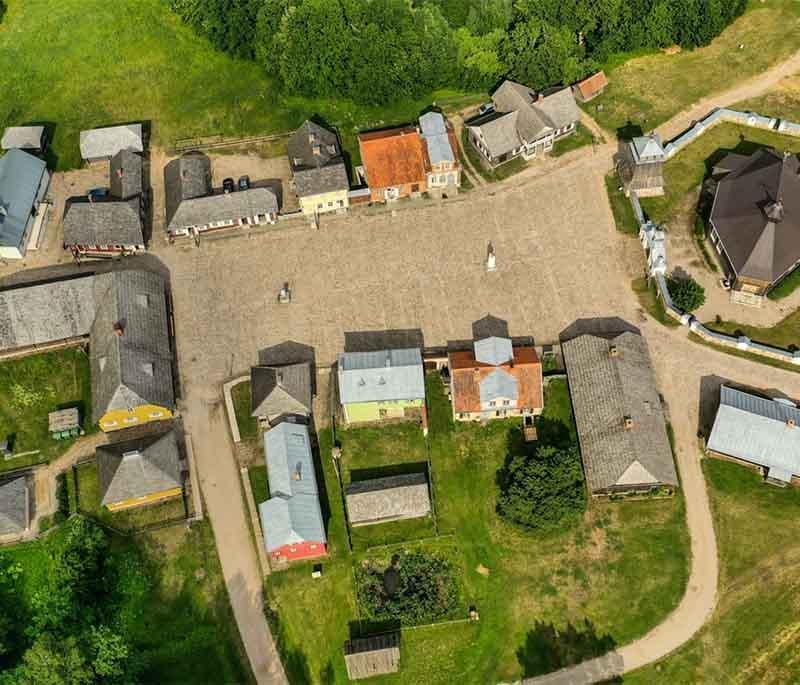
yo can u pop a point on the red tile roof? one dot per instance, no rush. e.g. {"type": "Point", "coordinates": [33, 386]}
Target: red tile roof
{"type": "Point", "coordinates": [467, 374]}
{"type": "Point", "coordinates": [592, 85]}
{"type": "Point", "coordinates": [393, 157]}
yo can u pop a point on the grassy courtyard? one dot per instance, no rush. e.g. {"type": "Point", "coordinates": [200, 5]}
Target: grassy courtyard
{"type": "Point", "coordinates": [752, 637]}
{"type": "Point", "coordinates": [646, 91]}
{"type": "Point", "coordinates": [32, 387]}
{"type": "Point", "coordinates": [785, 333]}
{"type": "Point", "coordinates": [528, 588]}
{"type": "Point", "coordinates": [248, 425]}
{"type": "Point", "coordinates": [179, 619]}
{"type": "Point", "coordinates": [581, 138]}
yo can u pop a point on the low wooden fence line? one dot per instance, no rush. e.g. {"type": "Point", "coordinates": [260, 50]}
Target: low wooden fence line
{"type": "Point", "coordinates": [219, 141]}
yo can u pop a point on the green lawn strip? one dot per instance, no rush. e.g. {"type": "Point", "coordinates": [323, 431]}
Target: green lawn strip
{"type": "Point", "coordinates": [767, 33]}
{"type": "Point", "coordinates": [392, 533]}
{"type": "Point", "coordinates": [248, 425]}
{"type": "Point", "coordinates": [759, 359]}
{"type": "Point", "coordinates": [376, 451]}
{"type": "Point", "coordinates": [621, 208]}
{"type": "Point", "coordinates": [500, 173]}
{"type": "Point", "coordinates": [751, 635]}
{"type": "Point", "coordinates": [650, 301]}
{"type": "Point", "coordinates": [259, 483]}
{"type": "Point", "coordinates": [784, 334]}
{"type": "Point", "coordinates": [786, 287]}
{"type": "Point", "coordinates": [31, 388]}
{"type": "Point", "coordinates": [580, 138]}
{"type": "Point", "coordinates": [684, 173]}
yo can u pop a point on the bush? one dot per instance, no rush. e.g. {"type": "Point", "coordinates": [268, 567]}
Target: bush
{"type": "Point", "coordinates": [423, 589]}
{"type": "Point", "coordinates": [542, 491]}
{"type": "Point", "coordinates": [686, 293]}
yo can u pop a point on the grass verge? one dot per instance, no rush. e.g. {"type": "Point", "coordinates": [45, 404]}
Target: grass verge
{"type": "Point", "coordinates": [786, 287]}
{"type": "Point", "coordinates": [581, 138]}
{"type": "Point", "coordinates": [769, 361]}
{"type": "Point", "coordinates": [248, 425]}
{"type": "Point", "coordinates": [784, 334]}
{"type": "Point", "coordinates": [650, 301]}
{"type": "Point", "coordinates": [621, 208]}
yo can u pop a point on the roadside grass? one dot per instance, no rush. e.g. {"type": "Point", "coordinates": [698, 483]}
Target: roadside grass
{"type": "Point", "coordinates": [259, 483]}
{"type": "Point", "coordinates": [650, 301]}
{"type": "Point", "coordinates": [621, 208]}
{"type": "Point", "coordinates": [646, 91]}
{"type": "Point", "coordinates": [783, 101]}
{"type": "Point", "coordinates": [757, 358]}
{"type": "Point", "coordinates": [623, 568]}
{"type": "Point", "coordinates": [179, 619]}
{"type": "Point", "coordinates": [581, 138]}
{"type": "Point", "coordinates": [248, 425]}
{"type": "Point", "coordinates": [752, 636]}
{"type": "Point", "coordinates": [784, 334]}
{"type": "Point", "coordinates": [129, 520]}
{"type": "Point", "coordinates": [786, 287]}
{"type": "Point", "coordinates": [685, 172]}
{"type": "Point", "coordinates": [500, 173]}
{"type": "Point", "coordinates": [32, 387]}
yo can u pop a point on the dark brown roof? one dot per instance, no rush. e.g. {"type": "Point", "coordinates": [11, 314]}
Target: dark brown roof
{"type": "Point", "coordinates": [279, 390]}
{"type": "Point", "coordinates": [756, 214]}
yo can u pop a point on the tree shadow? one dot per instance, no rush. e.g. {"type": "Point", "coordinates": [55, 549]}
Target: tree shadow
{"type": "Point", "coordinates": [549, 649]}
{"type": "Point", "coordinates": [359, 475]}
{"type": "Point", "coordinates": [629, 131]}
{"type": "Point", "coordinates": [376, 341]}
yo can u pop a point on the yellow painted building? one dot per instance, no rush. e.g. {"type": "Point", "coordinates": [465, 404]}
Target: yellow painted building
{"type": "Point", "coordinates": [336, 200]}
{"type": "Point", "coordinates": [117, 419]}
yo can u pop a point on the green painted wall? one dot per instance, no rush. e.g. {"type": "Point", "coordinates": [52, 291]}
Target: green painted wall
{"type": "Point", "coordinates": [370, 411]}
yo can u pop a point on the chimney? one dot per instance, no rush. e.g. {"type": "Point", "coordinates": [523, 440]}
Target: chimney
{"type": "Point", "coordinates": [119, 329]}
{"type": "Point", "coordinates": [613, 351]}
{"type": "Point", "coordinates": [298, 471]}
{"type": "Point", "coordinates": [791, 423]}
{"type": "Point", "coordinates": [628, 423]}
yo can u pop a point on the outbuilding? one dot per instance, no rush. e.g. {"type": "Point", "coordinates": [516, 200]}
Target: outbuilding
{"type": "Point", "coordinates": [101, 144]}
{"type": "Point", "coordinates": [372, 656]}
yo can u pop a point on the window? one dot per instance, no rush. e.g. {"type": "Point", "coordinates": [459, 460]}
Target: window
{"type": "Point", "coordinates": [341, 203]}
{"type": "Point", "coordinates": [319, 206]}
{"type": "Point", "coordinates": [442, 179]}
{"type": "Point", "coordinates": [492, 403]}
{"type": "Point", "coordinates": [415, 187]}
{"type": "Point", "coordinates": [330, 204]}
{"type": "Point", "coordinates": [131, 419]}
{"type": "Point", "coordinates": [506, 402]}
{"type": "Point", "coordinates": [462, 415]}
{"type": "Point", "coordinates": [109, 424]}
{"type": "Point", "coordinates": [156, 414]}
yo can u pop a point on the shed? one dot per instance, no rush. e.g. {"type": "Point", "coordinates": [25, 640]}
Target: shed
{"type": "Point", "coordinates": [591, 86]}
{"type": "Point", "coordinates": [24, 138]}
{"type": "Point", "coordinates": [64, 421]}
{"type": "Point", "coordinates": [103, 143]}
{"type": "Point", "coordinates": [372, 656]}
{"type": "Point", "coordinates": [393, 498]}
{"type": "Point", "coordinates": [14, 506]}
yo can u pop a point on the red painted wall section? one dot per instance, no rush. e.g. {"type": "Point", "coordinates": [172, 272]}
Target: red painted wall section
{"type": "Point", "coordinates": [301, 550]}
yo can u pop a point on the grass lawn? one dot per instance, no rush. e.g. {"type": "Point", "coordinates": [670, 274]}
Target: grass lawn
{"type": "Point", "coordinates": [651, 302]}
{"type": "Point", "coordinates": [499, 173]}
{"type": "Point", "coordinates": [786, 287]}
{"type": "Point", "coordinates": [621, 208]}
{"type": "Point", "coordinates": [32, 387]}
{"type": "Point", "coordinates": [179, 620]}
{"type": "Point", "coordinates": [785, 333]}
{"type": "Point", "coordinates": [632, 555]}
{"type": "Point", "coordinates": [582, 137]}
{"type": "Point", "coordinates": [684, 173]}
{"type": "Point", "coordinates": [646, 91]}
{"type": "Point", "coordinates": [135, 61]}
{"type": "Point", "coordinates": [259, 483]}
{"type": "Point", "coordinates": [248, 425]}
{"type": "Point", "coordinates": [89, 497]}
{"type": "Point", "coordinates": [783, 101]}
{"type": "Point", "coordinates": [752, 637]}
{"type": "Point", "coordinates": [759, 359]}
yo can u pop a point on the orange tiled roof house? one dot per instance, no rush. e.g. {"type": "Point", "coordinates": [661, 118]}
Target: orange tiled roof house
{"type": "Point", "coordinates": [495, 380]}
{"type": "Point", "coordinates": [395, 162]}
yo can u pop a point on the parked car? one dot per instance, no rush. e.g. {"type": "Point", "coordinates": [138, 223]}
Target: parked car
{"type": "Point", "coordinates": [486, 108]}
{"type": "Point", "coordinates": [228, 186]}
{"type": "Point", "coordinates": [97, 194]}
{"type": "Point", "coordinates": [244, 182]}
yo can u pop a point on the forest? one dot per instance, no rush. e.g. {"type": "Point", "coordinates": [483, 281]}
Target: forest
{"type": "Point", "coordinates": [380, 51]}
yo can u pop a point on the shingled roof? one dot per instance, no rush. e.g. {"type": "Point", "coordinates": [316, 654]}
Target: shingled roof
{"type": "Point", "coordinates": [185, 178]}
{"type": "Point", "coordinates": [388, 499]}
{"type": "Point", "coordinates": [618, 412]}
{"type": "Point", "coordinates": [277, 390]}
{"type": "Point", "coordinates": [137, 468]}
{"type": "Point", "coordinates": [14, 506]}
{"type": "Point", "coordinates": [756, 215]}
{"type": "Point", "coordinates": [316, 161]}
{"type": "Point", "coordinates": [126, 174]}
{"type": "Point", "coordinates": [201, 211]}
{"type": "Point", "coordinates": [23, 138]}
{"type": "Point", "coordinates": [101, 143]}
{"type": "Point", "coordinates": [130, 351]}
{"type": "Point", "coordinates": [104, 223]}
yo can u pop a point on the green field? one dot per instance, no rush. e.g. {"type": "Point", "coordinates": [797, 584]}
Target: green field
{"type": "Point", "coordinates": [784, 334]}
{"type": "Point", "coordinates": [248, 425]}
{"type": "Point", "coordinates": [581, 138]}
{"type": "Point", "coordinates": [753, 634]}
{"type": "Point", "coordinates": [525, 586]}
{"type": "Point", "coordinates": [646, 91]}
{"type": "Point", "coordinates": [32, 387]}
{"type": "Point", "coordinates": [179, 620]}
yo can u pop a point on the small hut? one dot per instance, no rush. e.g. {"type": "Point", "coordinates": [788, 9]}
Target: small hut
{"type": "Point", "coordinates": [372, 656]}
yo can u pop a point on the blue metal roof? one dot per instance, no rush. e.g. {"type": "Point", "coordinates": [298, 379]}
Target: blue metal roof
{"type": "Point", "coordinates": [291, 521]}
{"type": "Point", "coordinates": [758, 430]}
{"type": "Point", "coordinates": [494, 350]}
{"type": "Point", "coordinates": [290, 465]}
{"type": "Point", "coordinates": [381, 376]}
{"type": "Point", "coordinates": [434, 132]}
{"type": "Point", "coordinates": [499, 385]}
{"type": "Point", "coordinates": [20, 178]}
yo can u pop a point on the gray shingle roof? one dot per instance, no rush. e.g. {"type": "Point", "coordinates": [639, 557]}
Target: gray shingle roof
{"type": "Point", "coordinates": [185, 178]}
{"type": "Point", "coordinates": [290, 464]}
{"type": "Point", "coordinates": [100, 143]}
{"type": "Point", "coordinates": [372, 656]}
{"type": "Point", "coordinates": [759, 431]}
{"type": "Point", "coordinates": [380, 376]}
{"type": "Point", "coordinates": [104, 223]}
{"type": "Point", "coordinates": [22, 137]}
{"type": "Point", "coordinates": [316, 161]}
{"type": "Point", "coordinates": [559, 108]}
{"type": "Point", "coordinates": [134, 368]}
{"type": "Point", "coordinates": [126, 174]}
{"type": "Point", "coordinates": [388, 499]}
{"type": "Point", "coordinates": [137, 468]}
{"type": "Point", "coordinates": [291, 521]}
{"type": "Point", "coordinates": [20, 179]}
{"type": "Point", "coordinates": [39, 314]}
{"type": "Point", "coordinates": [276, 390]}
{"type": "Point", "coordinates": [14, 506]}
{"type": "Point", "coordinates": [610, 380]}
{"type": "Point", "coordinates": [201, 211]}
{"type": "Point", "coordinates": [761, 244]}
{"type": "Point", "coordinates": [434, 132]}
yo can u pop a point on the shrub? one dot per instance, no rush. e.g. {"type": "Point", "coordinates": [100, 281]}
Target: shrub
{"type": "Point", "coordinates": [544, 490]}
{"type": "Point", "coordinates": [424, 586]}
{"type": "Point", "coordinates": [686, 293]}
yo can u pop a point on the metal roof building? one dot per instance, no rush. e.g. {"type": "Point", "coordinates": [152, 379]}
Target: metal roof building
{"type": "Point", "coordinates": [434, 133]}
{"type": "Point", "coordinates": [381, 376]}
{"type": "Point", "coordinates": [758, 431]}
{"type": "Point", "coordinates": [388, 499]}
{"type": "Point", "coordinates": [290, 464]}
{"type": "Point", "coordinates": [23, 183]}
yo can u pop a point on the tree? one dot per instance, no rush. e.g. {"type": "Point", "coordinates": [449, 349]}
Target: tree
{"type": "Point", "coordinates": [478, 58]}
{"type": "Point", "coordinates": [109, 654]}
{"type": "Point", "coordinates": [56, 661]}
{"type": "Point", "coordinates": [544, 490]}
{"type": "Point", "coordinates": [686, 293]}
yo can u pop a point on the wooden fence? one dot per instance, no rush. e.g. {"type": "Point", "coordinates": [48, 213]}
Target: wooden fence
{"type": "Point", "coordinates": [219, 141]}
